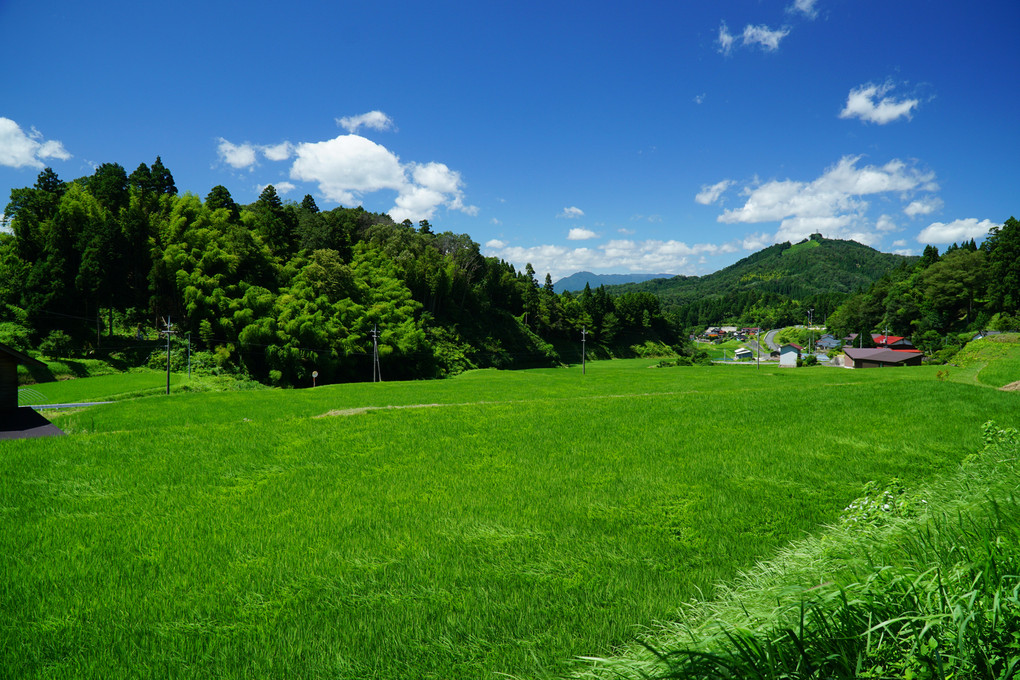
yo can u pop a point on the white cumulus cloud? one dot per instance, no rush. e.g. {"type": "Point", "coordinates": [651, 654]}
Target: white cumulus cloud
{"type": "Point", "coordinates": [709, 194]}
{"type": "Point", "coordinates": [236, 155]}
{"type": "Point", "coordinates": [955, 231]}
{"type": "Point", "coordinates": [571, 213]}
{"type": "Point", "coordinates": [21, 150]}
{"type": "Point", "coordinates": [869, 103]}
{"type": "Point", "coordinates": [350, 166]}
{"type": "Point", "coordinates": [834, 204]}
{"type": "Point", "coordinates": [347, 167]}
{"type": "Point", "coordinates": [373, 120]}
{"type": "Point", "coordinates": [581, 234]}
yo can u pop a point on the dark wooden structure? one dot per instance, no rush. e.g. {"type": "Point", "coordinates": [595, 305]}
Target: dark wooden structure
{"type": "Point", "coordinates": [15, 422]}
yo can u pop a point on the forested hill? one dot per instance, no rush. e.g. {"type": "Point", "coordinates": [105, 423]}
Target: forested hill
{"type": "Point", "coordinates": [275, 290]}
{"type": "Point", "coordinates": [774, 286]}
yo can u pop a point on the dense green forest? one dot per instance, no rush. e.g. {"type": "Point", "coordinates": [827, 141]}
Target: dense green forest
{"type": "Point", "coordinates": [275, 290]}
{"type": "Point", "coordinates": [967, 288]}
{"type": "Point", "coordinates": [773, 287]}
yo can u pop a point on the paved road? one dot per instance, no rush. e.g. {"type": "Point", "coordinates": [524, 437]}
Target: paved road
{"type": "Point", "coordinates": [42, 407]}
{"type": "Point", "coordinates": [770, 339]}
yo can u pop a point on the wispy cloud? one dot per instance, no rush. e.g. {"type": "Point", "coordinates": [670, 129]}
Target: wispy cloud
{"type": "Point", "coordinates": [571, 213]}
{"type": "Point", "coordinates": [710, 193]}
{"type": "Point", "coordinates": [923, 206]}
{"type": "Point", "coordinates": [869, 103]}
{"type": "Point", "coordinates": [21, 150]}
{"type": "Point", "coordinates": [282, 188]}
{"type": "Point", "coordinates": [763, 36]}
{"type": "Point", "coordinates": [805, 7]}
{"type": "Point", "coordinates": [373, 120]}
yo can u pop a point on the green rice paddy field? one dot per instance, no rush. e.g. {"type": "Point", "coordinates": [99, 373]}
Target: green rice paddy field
{"type": "Point", "coordinates": [499, 524]}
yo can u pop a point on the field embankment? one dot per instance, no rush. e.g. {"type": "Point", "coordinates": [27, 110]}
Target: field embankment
{"type": "Point", "coordinates": [520, 521]}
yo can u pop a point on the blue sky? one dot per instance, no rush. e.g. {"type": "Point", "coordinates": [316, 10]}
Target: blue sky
{"type": "Point", "coordinates": [660, 137]}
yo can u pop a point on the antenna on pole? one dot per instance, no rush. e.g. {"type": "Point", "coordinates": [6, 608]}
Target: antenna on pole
{"type": "Point", "coordinates": [168, 332]}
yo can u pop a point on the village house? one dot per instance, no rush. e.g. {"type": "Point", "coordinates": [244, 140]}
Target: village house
{"type": "Point", "coordinates": [891, 341]}
{"type": "Point", "coordinates": [827, 342]}
{"type": "Point", "coordinates": [880, 357]}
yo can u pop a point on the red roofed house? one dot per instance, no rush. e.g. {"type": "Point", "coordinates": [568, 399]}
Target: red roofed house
{"type": "Point", "coordinates": [892, 341]}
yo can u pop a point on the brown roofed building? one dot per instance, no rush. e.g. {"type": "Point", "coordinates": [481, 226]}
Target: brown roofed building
{"type": "Point", "coordinates": [878, 357]}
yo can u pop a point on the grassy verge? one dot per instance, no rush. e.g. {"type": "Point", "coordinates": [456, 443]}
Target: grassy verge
{"type": "Point", "coordinates": [920, 584]}
{"type": "Point", "coordinates": [139, 382]}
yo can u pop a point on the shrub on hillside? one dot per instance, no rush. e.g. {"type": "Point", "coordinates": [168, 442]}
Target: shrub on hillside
{"type": "Point", "coordinates": [57, 344]}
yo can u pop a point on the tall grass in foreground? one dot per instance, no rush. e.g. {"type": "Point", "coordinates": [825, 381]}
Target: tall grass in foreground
{"type": "Point", "coordinates": [935, 595]}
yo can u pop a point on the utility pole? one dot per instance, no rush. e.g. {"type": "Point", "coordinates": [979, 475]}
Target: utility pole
{"type": "Point", "coordinates": [376, 372]}
{"type": "Point", "coordinates": [189, 355]}
{"type": "Point", "coordinates": [811, 330]}
{"type": "Point", "coordinates": [584, 336]}
{"type": "Point", "coordinates": [168, 332]}
{"type": "Point", "coordinates": [758, 367]}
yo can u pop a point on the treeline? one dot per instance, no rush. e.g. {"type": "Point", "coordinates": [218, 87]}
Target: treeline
{"type": "Point", "coordinates": [965, 289]}
{"type": "Point", "coordinates": [278, 289]}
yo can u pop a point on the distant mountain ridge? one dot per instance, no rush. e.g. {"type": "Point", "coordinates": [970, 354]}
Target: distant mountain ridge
{"type": "Point", "coordinates": [819, 272]}
{"type": "Point", "coordinates": [577, 282]}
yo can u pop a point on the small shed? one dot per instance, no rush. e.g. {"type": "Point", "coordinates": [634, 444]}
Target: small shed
{"type": "Point", "coordinates": [743, 354]}
{"type": "Point", "coordinates": [789, 353]}
{"type": "Point", "coordinates": [19, 422]}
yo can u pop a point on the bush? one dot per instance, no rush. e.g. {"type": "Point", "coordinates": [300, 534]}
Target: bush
{"type": "Point", "coordinates": [57, 344]}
